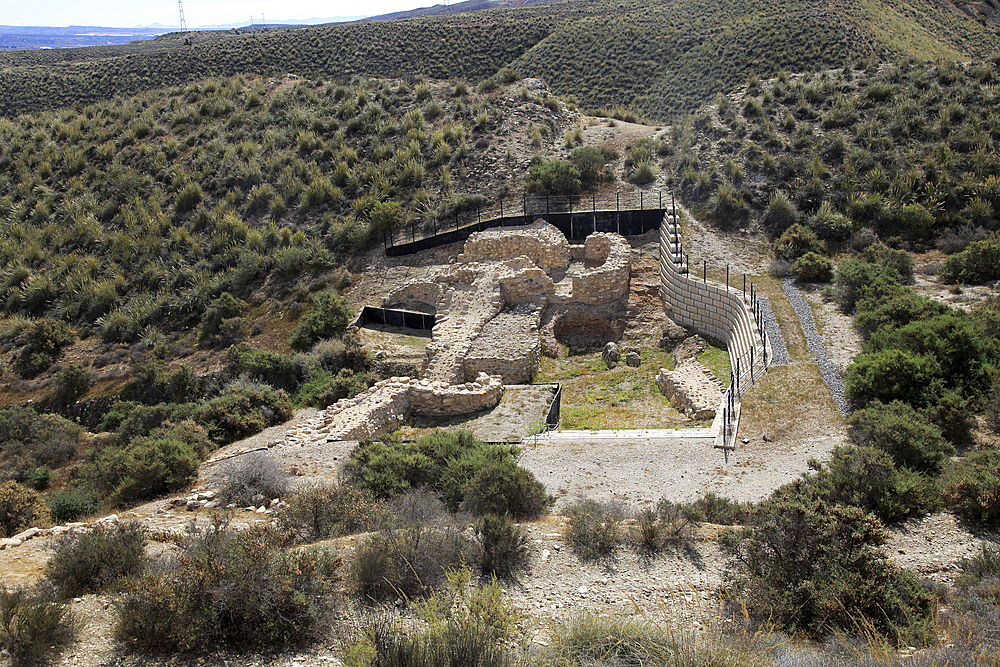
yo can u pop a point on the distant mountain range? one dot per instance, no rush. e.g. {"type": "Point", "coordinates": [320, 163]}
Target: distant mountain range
{"type": "Point", "coordinates": [14, 37]}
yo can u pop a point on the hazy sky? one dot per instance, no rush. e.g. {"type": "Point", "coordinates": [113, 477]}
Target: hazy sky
{"type": "Point", "coordinates": [129, 13]}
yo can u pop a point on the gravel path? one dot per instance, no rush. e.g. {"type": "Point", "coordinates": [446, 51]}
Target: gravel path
{"type": "Point", "coordinates": [828, 370]}
{"type": "Point", "coordinates": [779, 351]}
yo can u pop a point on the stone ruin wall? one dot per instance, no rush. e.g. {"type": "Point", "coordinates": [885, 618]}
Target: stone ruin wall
{"type": "Point", "coordinates": [545, 245]}
{"type": "Point", "coordinates": [435, 399]}
{"type": "Point", "coordinates": [421, 291]}
{"type": "Point", "coordinates": [508, 346]}
{"type": "Point", "coordinates": [609, 281]}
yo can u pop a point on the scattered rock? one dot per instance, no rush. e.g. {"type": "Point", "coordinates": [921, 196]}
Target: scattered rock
{"type": "Point", "coordinates": [611, 355]}
{"type": "Point", "coordinates": [633, 359]}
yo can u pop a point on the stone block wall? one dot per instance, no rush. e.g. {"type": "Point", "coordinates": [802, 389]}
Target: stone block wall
{"type": "Point", "coordinates": [609, 281]}
{"type": "Point", "coordinates": [530, 285]}
{"type": "Point", "coordinates": [705, 306]}
{"type": "Point", "coordinates": [442, 399]}
{"type": "Point", "coordinates": [543, 243]}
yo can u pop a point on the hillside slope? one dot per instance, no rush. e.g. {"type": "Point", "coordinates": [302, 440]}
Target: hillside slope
{"type": "Point", "coordinates": [659, 59]}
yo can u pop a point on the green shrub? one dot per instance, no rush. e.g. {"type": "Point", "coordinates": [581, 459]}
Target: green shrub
{"type": "Point", "coordinates": [278, 370]}
{"type": "Point", "coordinates": [35, 439]}
{"type": "Point", "coordinates": [243, 409]}
{"type": "Point", "coordinates": [98, 558]}
{"type": "Point", "coordinates": [481, 478]}
{"type": "Point", "coordinates": [43, 342]}
{"type": "Point", "coordinates": [645, 172]}
{"type": "Point", "coordinates": [903, 433]}
{"type": "Point", "coordinates": [72, 504]}
{"type": "Point", "coordinates": [780, 214]}
{"type": "Point", "coordinates": [33, 623]}
{"type": "Point", "coordinates": [72, 383]}
{"type": "Point", "coordinates": [891, 258]}
{"type": "Point", "coordinates": [894, 308]}
{"type": "Point", "coordinates": [593, 528]}
{"type": "Point", "coordinates": [553, 177]}
{"type": "Point", "coordinates": [978, 263]}
{"type": "Point", "coordinates": [591, 162]}
{"type": "Point", "coordinates": [323, 510]}
{"type": "Point", "coordinates": [811, 267]}
{"type": "Point", "coordinates": [221, 320]}
{"type": "Point", "coordinates": [984, 565]}
{"type": "Point", "coordinates": [20, 508]}
{"type": "Point", "coordinates": [253, 479]}
{"type": "Point", "coordinates": [797, 241]}
{"type": "Point", "coordinates": [829, 226]}
{"type": "Point", "coordinates": [808, 566]}
{"type": "Point", "coordinates": [971, 488]}
{"type": "Point", "coordinates": [992, 410]}
{"type": "Point", "coordinates": [152, 465]}
{"type": "Point", "coordinates": [239, 588]}
{"type": "Point", "coordinates": [408, 560]}
{"type": "Point", "coordinates": [500, 486]}
{"type": "Point", "coordinates": [665, 525]}
{"type": "Point", "coordinates": [505, 547]}
{"type": "Point", "coordinates": [40, 478]}
{"type": "Point", "coordinates": [893, 374]}
{"type": "Point", "coordinates": [857, 279]}
{"type": "Point", "coordinates": [329, 316]}
{"type": "Point", "coordinates": [323, 389]}
{"type": "Point", "coordinates": [715, 509]}
{"type": "Point", "coordinates": [867, 477]}
{"type": "Point", "coordinates": [600, 639]}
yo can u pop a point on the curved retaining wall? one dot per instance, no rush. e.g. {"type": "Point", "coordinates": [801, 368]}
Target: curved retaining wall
{"type": "Point", "coordinates": [705, 306]}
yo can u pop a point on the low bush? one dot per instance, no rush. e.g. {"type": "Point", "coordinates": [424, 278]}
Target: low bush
{"type": "Point", "coordinates": [591, 162]}
{"type": "Point", "coordinates": [713, 508]}
{"type": "Point", "coordinates": [29, 440]}
{"type": "Point", "coordinates": [553, 177]}
{"type": "Point", "coordinates": [857, 278]}
{"type": "Point", "coordinates": [161, 462]}
{"type": "Point", "coordinates": [323, 389]}
{"type": "Point", "coordinates": [222, 321]}
{"type": "Point", "coordinates": [97, 559]}
{"type": "Point", "coordinates": [593, 529]}
{"type": "Point", "coordinates": [893, 375]}
{"type": "Point", "coordinates": [329, 316]}
{"type": "Point", "coordinates": [592, 639]}
{"type": "Point", "coordinates": [978, 263]}
{"type": "Point", "coordinates": [33, 623]}
{"type": "Point", "coordinates": [812, 268]}
{"type": "Point", "coordinates": [239, 588]}
{"type": "Point", "coordinates": [797, 241]}
{"type": "Point", "coordinates": [42, 342]}
{"type": "Point", "coordinates": [72, 383]}
{"type": "Point", "coordinates": [809, 566]}
{"type": "Point", "coordinates": [243, 409]}
{"type": "Point", "coordinates": [20, 508]}
{"type": "Point", "coordinates": [253, 479]}
{"type": "Point", "coordinates": [505, 547]}
{"type": "Point", "coordinates": [992, 408]}
{"type": "Point", "coordinates": [469, 474]}
{"type": "Point", "coordinates": [665, 525]}
{"type": "Point", "coordinates": [984, 565]}
{"type": "Point", "coordinates": [866, 477]}
{"type": "Point", "coordinates": [72, 504]}
{"type": "Point", "coordinates": [323, 510]}
{"type": "Point", "coordinates": [409, 559]}
{"type": "Point", "coordinates": [971, 488]}
{"type": "Point", "coordinates": [465, 626]}
{"type": "Point", "coordinates": [780, 214]}
{"type": "Point", "coordinates": [272, 368]}
{"type": "Point", "coordinates": [903, 433]}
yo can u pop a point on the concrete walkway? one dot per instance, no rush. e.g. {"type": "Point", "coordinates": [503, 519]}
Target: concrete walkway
{"type": "Point", "coordinates": [623, 434]}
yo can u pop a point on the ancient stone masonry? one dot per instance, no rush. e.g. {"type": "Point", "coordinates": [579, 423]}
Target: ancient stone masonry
{"type": "Point", "coordinates": [691, 388]}
{"type": "Point", "coordinates": [488, 307]}
{"type": "Point", "coordinates": [542, 243]}
{"type": "Point", "coordinates": [609, 280]}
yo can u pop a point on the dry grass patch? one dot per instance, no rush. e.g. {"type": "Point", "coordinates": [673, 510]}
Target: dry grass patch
{"type": "Point", "coordinates": [790, 402]}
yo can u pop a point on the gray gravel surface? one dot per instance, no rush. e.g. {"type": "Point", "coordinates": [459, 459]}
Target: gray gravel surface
{"type": "Point", "coordinates": [779, 351]}
{"type": "Point", "coordinates": [827, 368]}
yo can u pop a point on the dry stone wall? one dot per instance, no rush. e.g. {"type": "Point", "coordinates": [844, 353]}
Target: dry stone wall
{"type": "Point", "coordinates": [421, 291]}
{"type": "Point", "coordinates": [609, 281]}
{"type": "Point", "coordinates": [540, 241]}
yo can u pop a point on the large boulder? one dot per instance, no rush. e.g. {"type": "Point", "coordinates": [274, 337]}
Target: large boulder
{"type": "Point", "coordinates": [611, 355]}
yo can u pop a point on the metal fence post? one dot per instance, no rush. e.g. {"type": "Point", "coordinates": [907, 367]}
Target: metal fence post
{"type": "Point", "coordinates": [501, 212]}
{"type": "Point", "coordinates": [618, 212]}
{"type": "Point", "coordinates": [727, 279]}
{"type": "Point", "coordinates": [704, 270]}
